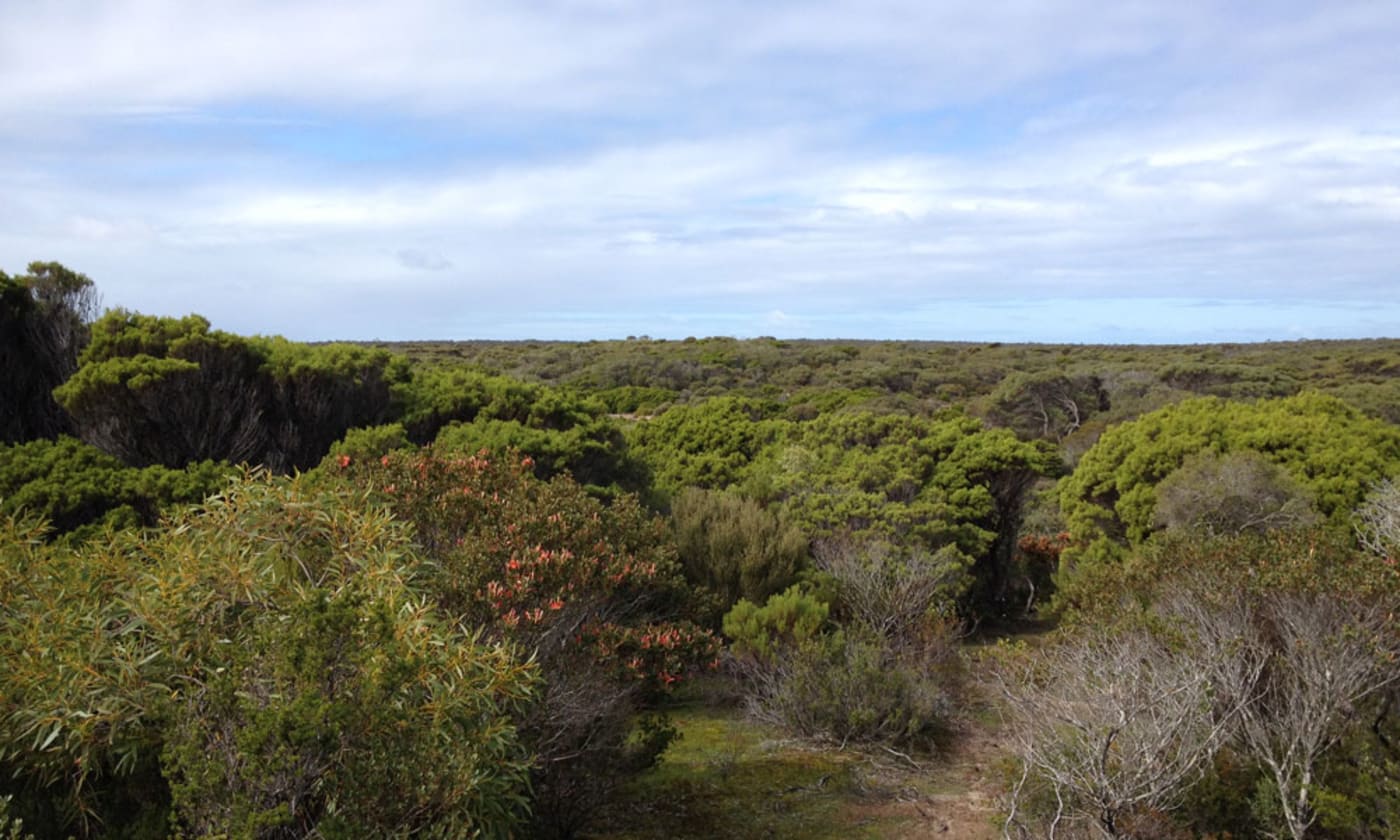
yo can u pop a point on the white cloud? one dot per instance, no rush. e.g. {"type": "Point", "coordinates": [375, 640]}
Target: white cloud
{"type": "Point", "coordinates": [683, 158]}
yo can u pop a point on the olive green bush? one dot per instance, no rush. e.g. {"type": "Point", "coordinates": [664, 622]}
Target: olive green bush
{"type": "Point", "coordinates": [1329, 453]}
{"type": "Point", "coordinates": [734, 546]}
{"type": "Point", "coordinates": [889, 672]}
{"type": "Point", "coordinates": [266, 665]}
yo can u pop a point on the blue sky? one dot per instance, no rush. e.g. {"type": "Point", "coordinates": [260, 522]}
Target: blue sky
{"type": "Point", "coordinates": [1018, 171]}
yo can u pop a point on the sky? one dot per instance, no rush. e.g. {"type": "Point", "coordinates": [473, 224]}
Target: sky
{"type": "Point", "coordinates": [1032, 170]}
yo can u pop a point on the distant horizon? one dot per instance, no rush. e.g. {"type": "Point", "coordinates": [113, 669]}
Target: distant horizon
{"type": "Point", "coordinates": [1053, 172]}
{"type": "Point", "coordinates": [841, 339]}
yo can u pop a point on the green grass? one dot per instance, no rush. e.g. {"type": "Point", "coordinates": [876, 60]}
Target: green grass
{"type": "Point", "coordinates": [728, 777]}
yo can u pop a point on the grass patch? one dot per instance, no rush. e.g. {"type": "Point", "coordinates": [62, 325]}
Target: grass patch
{"type": "Point", "coordinates": [729, 777]}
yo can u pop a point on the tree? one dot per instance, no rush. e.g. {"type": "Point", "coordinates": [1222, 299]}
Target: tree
{"type": "Point", "coordinates": [1328, 450]}
{"type": "Point", "coordinates": [916, 481]}
{"type": "Point", "coordinates": [1051, 406]}
{"type": "Point", "coordinates": [44, 317]}
{"type": "Point", "coordinates": [156, 390]}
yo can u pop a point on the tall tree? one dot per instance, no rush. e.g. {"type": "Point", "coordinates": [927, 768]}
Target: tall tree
{"type": "Point", "coordinates": [44, 317]}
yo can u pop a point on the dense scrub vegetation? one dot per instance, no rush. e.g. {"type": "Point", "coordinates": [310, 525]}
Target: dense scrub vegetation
{"type": "Point", "coordinates": [264, 589]}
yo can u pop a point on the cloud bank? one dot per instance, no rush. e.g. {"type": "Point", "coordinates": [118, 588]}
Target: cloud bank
{"type": "Point", "coordinates": [597, 168]}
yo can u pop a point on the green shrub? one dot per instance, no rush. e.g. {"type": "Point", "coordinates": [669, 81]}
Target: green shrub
{"type": "Point", "coordinates": [735, 547]}
{"type": "Point", "coordinates": [369, 442]}
{"type": "Point", "coordinates": [890, 673]}
{"type": "Point", "coordinates": [79, 490]}
{"type": "Point", "coordinates": [1327, 451]}
{"type": "Point", "coordinates": [785, 620]}
{"type": "Point", "coordinates": [266, 665]}
{"type": "Point", "coordinates": [852, 687]}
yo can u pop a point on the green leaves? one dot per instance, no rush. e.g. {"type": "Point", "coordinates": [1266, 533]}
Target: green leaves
{"type": "Point", "coordinates": [169, 391]}
{"type": "Point", "coordinates": [1333, 452]}
{"type": "Point", "coordinates": [274, 655]}
{"type": "Point", "coordinates": [79, 489]}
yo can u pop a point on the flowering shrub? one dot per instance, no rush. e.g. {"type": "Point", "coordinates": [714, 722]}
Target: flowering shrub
{"type": "Point", "coordinates": [594, 593]}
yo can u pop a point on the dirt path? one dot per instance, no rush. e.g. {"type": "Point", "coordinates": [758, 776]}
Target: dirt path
{"type": "Point", "coordinates": [955, 797]}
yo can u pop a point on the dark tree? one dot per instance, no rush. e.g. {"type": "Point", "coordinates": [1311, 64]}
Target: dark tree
{"type": "Point", "coordinates": [44, 318]}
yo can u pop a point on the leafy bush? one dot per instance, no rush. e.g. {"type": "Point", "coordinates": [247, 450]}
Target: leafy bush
{"type": "Point", "coordinates": [593, 592]}
{"type": "Point", "coordinates": [79, 490]}
{"type": "Point", "coordinates": [368, 443]}
{"type": "Point", "coordinates": [890, 673]}
{"type": "Point", "coordinates": [785, 621]}
{"type": "Point", "coordinates": [273, 656]}
{"type": "Point", "coordinates": [709, 445]}
{"type": "Point", "coordinates": [735, 547]}
{"type": "Point", "coordinates": [854, 687]}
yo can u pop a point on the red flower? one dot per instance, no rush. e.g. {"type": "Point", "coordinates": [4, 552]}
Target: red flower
{"type": "Point", "coordinates": [344, 461]}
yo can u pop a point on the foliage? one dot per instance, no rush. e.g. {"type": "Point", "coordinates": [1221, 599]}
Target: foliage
{"type": "Point", "coordinates": [1232, 494]}
{"type": "Point", "coordinates": [735, 547]}
{"type": "Point", "coordinates": [1359, 790]}
{"type": "Point", "coordinates": [710, 445]}
{"type": "Point", "coordinates": [77, 488]}
{"type": "Point", "coordinates": [44, 315]}
{"type": "Point", "coordinates": [786, 620]}
{"type": "Point", "coordinates": [928, 482]}
{"type": "Point", "coordinates": [199, 653]}
{"type": "Point", "coordinates": [924, 375]}
{"type": "Point", "coordinates": [1110, 501]}
{"type": "Point", "coordinates": [156, 390]}
{"type": "Point", "coordinates": [594, 592]}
